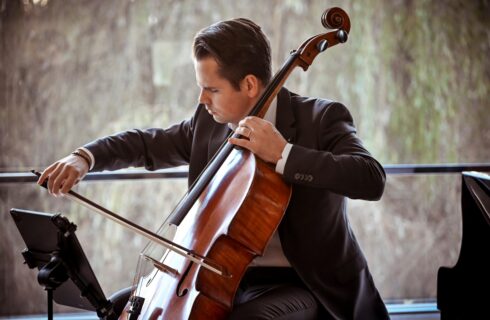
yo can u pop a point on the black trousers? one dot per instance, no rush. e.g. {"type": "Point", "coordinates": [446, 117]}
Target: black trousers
{"type": "Point", "coordinates": [274, 293]}
{"type": "Point", "coordinates": [265, 293]}
{"type": "Point", "coordinates": [119, 300]}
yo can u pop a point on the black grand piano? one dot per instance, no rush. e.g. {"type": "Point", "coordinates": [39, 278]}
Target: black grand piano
{"type": "Point", "coordinates": [463, 291]}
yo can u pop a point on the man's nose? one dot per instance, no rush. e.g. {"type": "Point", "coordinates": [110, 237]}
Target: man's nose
{"type": "Point", "coordinates": [203, 98]}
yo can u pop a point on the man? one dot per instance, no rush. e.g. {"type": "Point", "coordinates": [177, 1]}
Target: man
{"type": "Point", "coordinates": [314, 267]}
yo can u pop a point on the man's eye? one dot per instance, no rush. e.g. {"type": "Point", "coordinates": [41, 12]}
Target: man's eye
{"type": "Point", "coordinates": [213, 90]}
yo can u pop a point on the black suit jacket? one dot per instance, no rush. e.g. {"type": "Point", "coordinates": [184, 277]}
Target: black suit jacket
{"type": "Point", "coordinates": [327, 163]}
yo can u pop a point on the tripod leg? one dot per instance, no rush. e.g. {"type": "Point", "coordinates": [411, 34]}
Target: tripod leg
{"type": "Point", "coordinates": [50, 304]}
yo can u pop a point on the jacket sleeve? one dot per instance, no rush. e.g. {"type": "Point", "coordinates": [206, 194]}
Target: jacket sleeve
{"type": "Point", "coordinates": [340, 163]}
{"type": "Point", "coordinates": [153, 148]}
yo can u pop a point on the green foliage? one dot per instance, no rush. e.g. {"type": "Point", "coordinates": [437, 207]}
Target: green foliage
{"type": "Point", "coordinates": [439, 81]}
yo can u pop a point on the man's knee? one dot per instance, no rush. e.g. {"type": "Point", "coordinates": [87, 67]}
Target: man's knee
{"type": "Point", "coordinates": [119, 300]}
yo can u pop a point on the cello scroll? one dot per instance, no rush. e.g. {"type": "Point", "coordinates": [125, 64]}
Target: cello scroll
{"type": "Point", "coordinates": [336, 18]}
{"type": "Point", "coordinates": [333, 18]}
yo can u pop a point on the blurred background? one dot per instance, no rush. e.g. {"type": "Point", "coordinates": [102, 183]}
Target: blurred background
{"type": "Point", "coordinates": [414, 74]}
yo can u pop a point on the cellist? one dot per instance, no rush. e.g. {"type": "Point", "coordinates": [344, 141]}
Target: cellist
{"type": "Point", "coordinates": [313, 267]}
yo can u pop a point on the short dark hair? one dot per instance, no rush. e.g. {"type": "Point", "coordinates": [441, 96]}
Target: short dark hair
{"type": "Point", "coordinates": [239, 47]}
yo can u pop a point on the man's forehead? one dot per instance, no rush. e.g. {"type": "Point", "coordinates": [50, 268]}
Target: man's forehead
{"type": "Point", "coordinates": [207, 71]}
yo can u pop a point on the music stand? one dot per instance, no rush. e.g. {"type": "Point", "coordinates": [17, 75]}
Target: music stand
{"type": "Point", "coordinates": [64, 270]}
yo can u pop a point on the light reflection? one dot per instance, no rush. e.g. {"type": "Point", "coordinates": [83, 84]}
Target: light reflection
{"type": "Point", "coordinates": [41, 3]}
{"type": "Point", "coordinates": [152, 20]}
{"type": "Point", "coordinates": [29, 4]}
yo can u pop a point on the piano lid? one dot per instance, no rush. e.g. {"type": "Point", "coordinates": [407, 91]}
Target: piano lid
{"type": "Point", "coordinates": [478, 184]}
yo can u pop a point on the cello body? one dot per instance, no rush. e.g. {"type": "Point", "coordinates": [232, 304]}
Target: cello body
{"type": "Point", "coordinates": [230, 232]}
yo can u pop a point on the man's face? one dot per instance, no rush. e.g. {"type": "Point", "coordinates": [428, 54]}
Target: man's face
{"type": "Point", "coordinates": [222, 100]}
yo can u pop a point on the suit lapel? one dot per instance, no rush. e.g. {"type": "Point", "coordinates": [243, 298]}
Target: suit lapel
{"type": "Point", "coordinates": [285, 116]}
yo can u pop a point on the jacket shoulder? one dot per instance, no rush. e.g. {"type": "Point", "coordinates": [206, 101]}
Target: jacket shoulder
{"type": "Point", "coordinates": [320, 109]}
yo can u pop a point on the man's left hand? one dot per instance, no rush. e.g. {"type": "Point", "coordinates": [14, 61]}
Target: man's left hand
{"type": "Point", "coordinates": [261, 137]}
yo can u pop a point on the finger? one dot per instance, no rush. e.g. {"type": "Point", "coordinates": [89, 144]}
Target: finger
{"type": "Point", "coordinates": [244, 131]}
{"type": "Point", "coordinates": [43, 176]}
{"type": "Point", "coordinates": [246, 122]}
{"type": "Point", "coordinates": [69, 183]}
{"type": "Point", "coordinates": [243, 122]}
{"type": "Point", "coordinates": [241, 143]}
{"type": "Point", "coordinates": [253, 122]}
{"type": "Point", "coordinates": [59, 181]}
{"type": "Point", "coordinates": [52, 176]}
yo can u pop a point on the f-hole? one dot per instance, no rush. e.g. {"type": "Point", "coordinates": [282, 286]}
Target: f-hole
{"type": "Point", "coordinates": [183, 291]}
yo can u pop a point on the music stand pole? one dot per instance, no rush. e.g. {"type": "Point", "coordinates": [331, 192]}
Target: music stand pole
{"type": "Point", "coordinates": [51, 276]}
{"type": "Point", "coordinates": [50, 303]}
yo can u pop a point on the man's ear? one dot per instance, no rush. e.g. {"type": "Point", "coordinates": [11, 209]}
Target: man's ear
{"type": "Point", "coordinates": [252, 85]}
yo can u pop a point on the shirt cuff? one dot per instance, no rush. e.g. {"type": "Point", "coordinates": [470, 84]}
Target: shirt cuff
{"type": "Point", "coordinates": [281, 164]}
{"type": "Point", "coordinates": [90, 155]}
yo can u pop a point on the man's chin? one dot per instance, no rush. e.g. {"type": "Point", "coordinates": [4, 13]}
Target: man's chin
{"type": "Point", "coordinates": [219, 120]}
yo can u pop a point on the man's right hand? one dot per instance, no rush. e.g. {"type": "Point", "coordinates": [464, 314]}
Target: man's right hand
{"type": "Point", "coordinates": [64, 174]}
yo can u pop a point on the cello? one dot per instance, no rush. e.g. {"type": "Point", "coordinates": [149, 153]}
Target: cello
{"type": "Point", "coordinates": [229, 216]}
{"type": "Point", "coordinates": [224, 221]}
